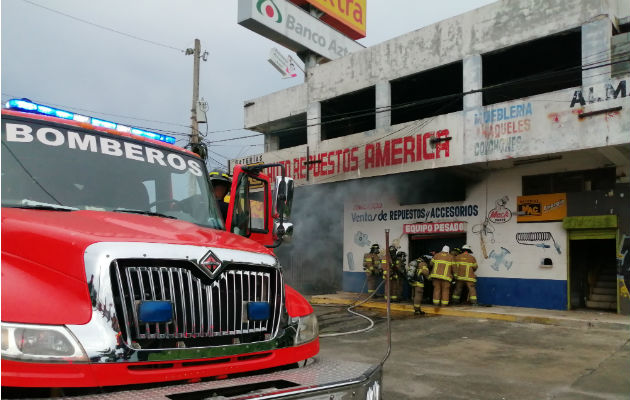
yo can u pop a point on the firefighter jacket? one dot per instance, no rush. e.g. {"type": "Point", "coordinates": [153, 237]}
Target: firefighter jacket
{"type": "Point", "coordinates": [397, 268]}
{"type": "Point", "coordinates": [466, 266]}
{"type": "Point", "coordinates": [372, 263]}
{"type": "Point", "coordinates": [442, 266]}
{"type": "Point", "coordinates": [419, 273]}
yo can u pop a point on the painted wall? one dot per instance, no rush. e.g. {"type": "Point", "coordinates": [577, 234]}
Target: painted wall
{"type": "Point", "coordinates": [495, 26]}
{"type": "Point", "coordinates": [544, 124]}
{"type": "Point", "coordinates": [510, 271]}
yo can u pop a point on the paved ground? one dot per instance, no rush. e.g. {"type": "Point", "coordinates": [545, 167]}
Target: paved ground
{"type": "Point", "coordinates": [450, 357]}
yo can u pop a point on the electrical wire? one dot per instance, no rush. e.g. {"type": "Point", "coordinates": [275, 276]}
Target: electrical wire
{"type": "Point", "coordinates": [104, 27]}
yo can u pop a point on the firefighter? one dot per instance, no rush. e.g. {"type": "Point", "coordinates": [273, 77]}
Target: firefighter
{"type": "Point", "coordinates": [466, 266]}
{"type": "Point", "coordinates": [372, 267]}
{"type": "Point", "coordinates": [221, 184]}
{"type": "Point", "coordinates": [454, 253]}
{"type": "Point", "coordinates": [442, 275]}
{"type": "Point", "coordinates": [391, 273]}
{"type": "Point", "coordinates": [416, 274]}
{"type": "Point", "coordinates": [401, 265]}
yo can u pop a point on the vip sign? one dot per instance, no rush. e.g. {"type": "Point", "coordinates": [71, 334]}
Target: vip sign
{"type": "Point", "coordinates": [295, 29]}
{"type": "Point", "coordinates": [347, 16]}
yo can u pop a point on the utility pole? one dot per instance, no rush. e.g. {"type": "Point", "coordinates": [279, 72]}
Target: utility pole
{"type": "Point", "coordinates": [195, 145]}
{"type": "Point", "coordinates": [194, 136]}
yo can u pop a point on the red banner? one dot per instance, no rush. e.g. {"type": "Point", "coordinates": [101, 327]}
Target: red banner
{"type": "Point", "coordinates": [435, 227]}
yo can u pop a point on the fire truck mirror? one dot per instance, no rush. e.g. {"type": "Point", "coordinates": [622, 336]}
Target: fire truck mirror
{"type": "Point", "coordinates": [286, 231]}
{"type": "Point", "coordinates": [283, 199]}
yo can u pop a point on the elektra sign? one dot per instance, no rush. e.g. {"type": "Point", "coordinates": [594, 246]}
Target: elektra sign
{"type": "Point", "coordinates": [294, 28]}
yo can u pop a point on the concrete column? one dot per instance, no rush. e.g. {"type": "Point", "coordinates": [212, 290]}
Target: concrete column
{"type": "Point", "coordinates": [272, 143]}
{"type": "Point", "coordinates": [313, 123]}
{"type": "Point", "coordinates": [596, 51]}
{"type": "Point", "coordinates": [383, 105]}
{"type": "Point", "coordinates": [473, 80]}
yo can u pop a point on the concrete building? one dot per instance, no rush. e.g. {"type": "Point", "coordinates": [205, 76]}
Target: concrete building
{"type": "Point", "coordinates": [507, 128]}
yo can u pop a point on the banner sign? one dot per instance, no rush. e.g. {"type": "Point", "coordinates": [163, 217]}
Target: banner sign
{"type": "Point", "coordinates": [435, 227]}
{"type": "Point", "coordinates": [541, 207]}
{"type": "Point", "coordinates": [345, 16]}
{"type": "Point", "coordinates": [293, 28]}
{"type": "Point", "coordinates": [282, 64]}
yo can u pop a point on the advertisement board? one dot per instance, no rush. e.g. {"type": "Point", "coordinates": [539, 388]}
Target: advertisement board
{"type": "Point", "coordinates": [541, 207]}
{"type": "Point", "coordinates": [346, 16]}
{"type": "Point", "coordinates": [295, 29]}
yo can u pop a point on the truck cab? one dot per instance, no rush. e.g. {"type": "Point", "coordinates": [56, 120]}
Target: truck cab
{"type": "Point", "coordinates": [118, 269]}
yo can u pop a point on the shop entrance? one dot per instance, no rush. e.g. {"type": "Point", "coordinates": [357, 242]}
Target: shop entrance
{"type": "Point", "coordinates": [592, 274]}
{"type": "Point", "coordinates": [420, 245]}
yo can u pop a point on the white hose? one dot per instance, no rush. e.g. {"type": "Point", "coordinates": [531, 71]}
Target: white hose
{"type": "Point", "coordinates": [349, 309]}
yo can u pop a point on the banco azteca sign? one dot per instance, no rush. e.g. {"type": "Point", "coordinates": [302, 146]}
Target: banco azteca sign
{"type": "Point", "coordinates": [293, 28]}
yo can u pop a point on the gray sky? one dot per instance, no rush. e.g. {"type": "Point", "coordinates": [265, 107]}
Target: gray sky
{"type": "Point", "coordinates": [56, 60]}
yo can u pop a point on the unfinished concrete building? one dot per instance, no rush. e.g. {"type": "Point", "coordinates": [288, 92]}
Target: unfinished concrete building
{"type": "Point", "coordinates": [506, 128]}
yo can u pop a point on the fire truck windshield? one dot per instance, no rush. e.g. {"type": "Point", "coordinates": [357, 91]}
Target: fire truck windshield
{"type": "Point", "coordinates": [55, 167]}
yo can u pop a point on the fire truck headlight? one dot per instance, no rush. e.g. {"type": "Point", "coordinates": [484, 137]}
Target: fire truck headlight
{"type": "Point", "coordinates": [46, 343]}
{"type": "Point", "coordinates": [308, 329]}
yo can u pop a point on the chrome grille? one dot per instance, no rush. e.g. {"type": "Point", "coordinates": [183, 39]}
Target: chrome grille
{"type": "Point", "coordinates": [202, 308]}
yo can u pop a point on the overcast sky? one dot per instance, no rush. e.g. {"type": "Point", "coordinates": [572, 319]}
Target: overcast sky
{"type": "Point", "coordinates": [56, 60]}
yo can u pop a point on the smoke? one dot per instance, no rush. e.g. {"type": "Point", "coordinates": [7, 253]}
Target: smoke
{"type": "Point", "coordinates": [313, 260]}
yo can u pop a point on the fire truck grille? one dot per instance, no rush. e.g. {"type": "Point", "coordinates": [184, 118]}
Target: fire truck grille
{"type": "Point", "coordinates": [203, 311]}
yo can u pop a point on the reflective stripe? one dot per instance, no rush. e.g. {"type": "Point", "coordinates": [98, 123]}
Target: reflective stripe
{"type": "Point", "coordinates": [442, 277]}
{"type": "Point", "coordinates": [455, 297]}
{"type": "Point", "coordinates": [462, 278]}
{"type": "Point", "coordinates": [445, 303]}
{"type": "Point", "coordinates": [436, 302]}
{"type": "Point", "coordinates": [473, 297]}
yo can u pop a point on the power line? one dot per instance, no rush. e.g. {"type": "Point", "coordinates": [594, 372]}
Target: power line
{"type": "Point", "coordinates": [519, 81]}
{"type": "Point", "coordinates": [104, 27]}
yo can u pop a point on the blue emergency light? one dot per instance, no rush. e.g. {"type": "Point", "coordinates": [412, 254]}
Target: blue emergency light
{"type": "Point", "coordinates": [29, 106]}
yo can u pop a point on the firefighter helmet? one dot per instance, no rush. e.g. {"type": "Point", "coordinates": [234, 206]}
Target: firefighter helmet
{"type": "Point", "coordinates": [467, 248]}
{"type": "Point", "coordinates": [219, 176]}
{"type": "Point", "coordinates": [446, 249]}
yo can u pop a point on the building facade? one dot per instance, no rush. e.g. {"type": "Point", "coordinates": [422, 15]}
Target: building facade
{"type": "Point", "coordinates": [506, 128]}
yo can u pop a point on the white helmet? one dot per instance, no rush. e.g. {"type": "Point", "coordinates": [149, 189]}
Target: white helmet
{"type": "Point", "coordinates": [446, 249]}
{"type": "Point", "coordinates": [467, 248]}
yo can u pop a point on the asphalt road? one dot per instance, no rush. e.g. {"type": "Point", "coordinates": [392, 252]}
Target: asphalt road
{"type": "Point", "coordinates": [465, 358]}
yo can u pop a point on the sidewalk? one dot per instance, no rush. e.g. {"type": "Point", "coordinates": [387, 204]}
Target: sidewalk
{"type": "Point", "coordinates": [575, 319]}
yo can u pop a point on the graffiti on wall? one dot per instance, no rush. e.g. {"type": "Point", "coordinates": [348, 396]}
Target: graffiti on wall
{"type": "Point", "coordinates": [500, 214]}
{"type": "Point", "coordinates": [501, 128]}
{"type": "Point", "coordinates": [484, 230]}
{"type": "Point", "coordinates": [500, 258]}
{"type": "Point", "coordinates": [542, 240]}
{"type": "Point", "coordinates": [361, 239]}
{"type": "Point", "coordinates": [597, 94]}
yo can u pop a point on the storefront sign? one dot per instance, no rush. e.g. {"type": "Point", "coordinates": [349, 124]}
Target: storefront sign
{"type": "Point", "coordinates": [347, 16]}
{"type": "Point", "coordinates": [542, 207]}
{"type": "Point", "coordinates": [389, 153]}
{"type": "Point", "coordinates": [292, 27]}
{"type": "Point", "coordinates": [435, 227]}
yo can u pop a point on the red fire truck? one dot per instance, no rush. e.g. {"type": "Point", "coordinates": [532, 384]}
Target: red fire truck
{"type": "Point", "coordinates": [118, 269]}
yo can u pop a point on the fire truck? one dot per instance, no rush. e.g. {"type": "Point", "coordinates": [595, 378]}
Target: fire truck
{"type": "Point", "coordinates": [121, 279]}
